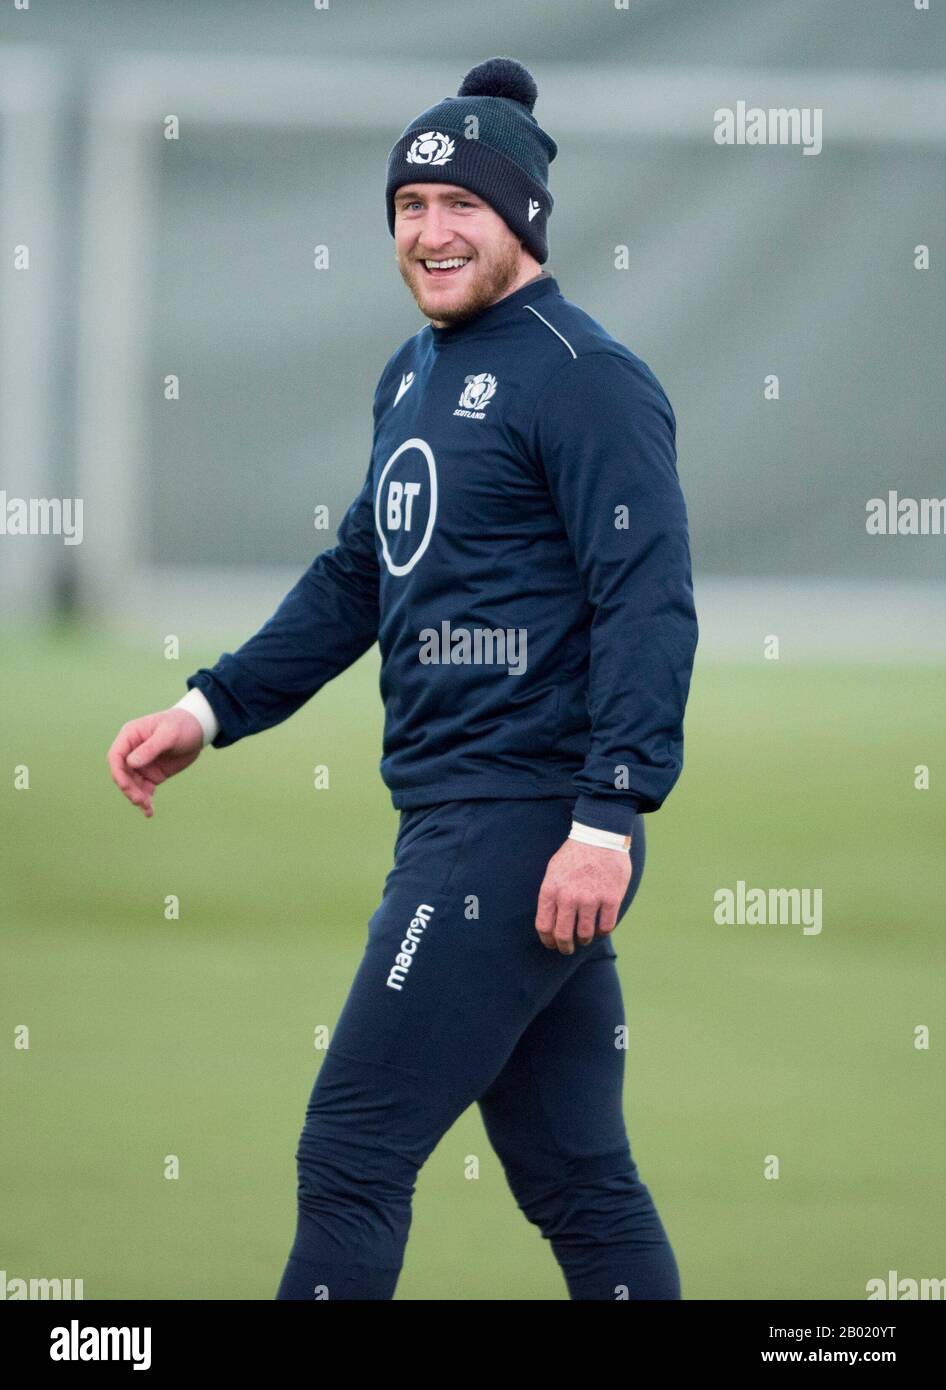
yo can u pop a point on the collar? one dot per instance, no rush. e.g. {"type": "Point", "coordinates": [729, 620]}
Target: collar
{"type": "Point", "coordinates": [501, 311]}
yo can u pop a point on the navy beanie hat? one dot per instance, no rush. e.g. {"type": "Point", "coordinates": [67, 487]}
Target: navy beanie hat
{"type": "Point", "coordinates": [503, 155]}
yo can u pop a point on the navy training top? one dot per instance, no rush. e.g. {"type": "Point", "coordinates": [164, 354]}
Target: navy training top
{"type": "Point", "coordinates": [520, 551]}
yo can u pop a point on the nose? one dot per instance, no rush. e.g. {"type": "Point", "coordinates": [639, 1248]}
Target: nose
{"type": "Point", "coordinates": [435, 233]}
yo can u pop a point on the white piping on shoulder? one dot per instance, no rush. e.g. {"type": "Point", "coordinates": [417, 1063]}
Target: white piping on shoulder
{"type": "Point", "coordinates": [554, 330]}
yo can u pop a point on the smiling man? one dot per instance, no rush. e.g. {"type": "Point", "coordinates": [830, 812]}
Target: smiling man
{"type": "Point", "coordinates": [519, 550]}
{"type": "Point", "coordinates": [456, 254]}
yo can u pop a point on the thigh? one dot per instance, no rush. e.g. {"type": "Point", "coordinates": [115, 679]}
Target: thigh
{"type": "Point", "coordinates": [558, 1099]}
{"type": "Point", "coordinates": [556, 1108]}
{"type": "Point", "coordinates": [452, 971]}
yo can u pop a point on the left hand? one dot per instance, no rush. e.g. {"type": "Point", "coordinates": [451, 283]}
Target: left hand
{"type": "Point", "coordinates": [582, 882]}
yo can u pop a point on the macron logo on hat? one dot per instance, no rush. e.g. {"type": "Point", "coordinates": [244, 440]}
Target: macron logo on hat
{"type": "Point", "coordinates": [534, 207]}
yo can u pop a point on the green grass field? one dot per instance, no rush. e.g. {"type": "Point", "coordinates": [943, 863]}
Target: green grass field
{"type": "Point", "coordinates": [194, 1037]}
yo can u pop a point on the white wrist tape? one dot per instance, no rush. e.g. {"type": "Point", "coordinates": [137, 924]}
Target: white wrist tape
{"type": "Point", "coordinates": [605, 839]}
{"type": "Point", "coordinates": [197, 704]}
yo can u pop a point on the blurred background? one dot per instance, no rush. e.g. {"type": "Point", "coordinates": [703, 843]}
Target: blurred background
{"type": "Point", "coordinates": [128, 257]}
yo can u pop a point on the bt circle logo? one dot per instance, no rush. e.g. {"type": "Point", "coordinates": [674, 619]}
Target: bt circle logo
{"type": "Point", "coordinates": [407, 488]}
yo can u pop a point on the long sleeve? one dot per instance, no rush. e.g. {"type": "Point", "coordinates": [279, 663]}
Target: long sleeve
{"type": "Point", "coordinates": [325, 622]}
{"type": "Point", "coordinates": [605, 434]}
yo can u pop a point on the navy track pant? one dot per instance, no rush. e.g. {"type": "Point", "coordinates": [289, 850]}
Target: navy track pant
{"type": "Point", "coordinates": [457, 1001]}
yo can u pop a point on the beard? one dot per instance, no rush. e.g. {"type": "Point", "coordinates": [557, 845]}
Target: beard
{"type": "Point", "coordinates": [488, 279]}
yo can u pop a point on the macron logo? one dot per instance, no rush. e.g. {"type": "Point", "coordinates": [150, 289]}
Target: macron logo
{"type": "Point", "coordinates": [404, 957]}
{"type": "Point", "coordinates": [406, 384]}
{"type": "Point", "coordinates": [534, 207]}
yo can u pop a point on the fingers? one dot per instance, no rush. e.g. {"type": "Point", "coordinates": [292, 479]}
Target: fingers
{"type": "Point", "coordinates": [555, 922]}
{"type": "Point", "coordinates": [136, 785]}
{"type": "Point", "coordinates": [565, 926]}
{"type": "Point", "coordinates": [562, 922]}
{"type": "Point", "coordinates": [607, 918]}
{"type": "Point", "coordinates": [575, 920]}
{"type": "Point", "coordinates": [587, 915]}
{"type": "Point", "coordinates": [148, 790]}
{"type": "Point", "coordinates": [146, 752]}
{"type": "Point", "coordinates": [545, 917]}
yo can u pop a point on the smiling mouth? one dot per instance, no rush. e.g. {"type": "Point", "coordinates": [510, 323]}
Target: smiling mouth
{"type": "Point", "coordinates": [444, 274]}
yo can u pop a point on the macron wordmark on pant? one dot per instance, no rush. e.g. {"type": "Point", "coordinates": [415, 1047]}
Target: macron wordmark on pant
{"type": "Point", "coordinates": [522, 502]}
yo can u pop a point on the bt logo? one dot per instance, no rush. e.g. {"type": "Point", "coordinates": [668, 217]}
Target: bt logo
{"type": "Point", "coordinates": [407, 481]}
{"type": "Point", "coordinates": [399, 493]}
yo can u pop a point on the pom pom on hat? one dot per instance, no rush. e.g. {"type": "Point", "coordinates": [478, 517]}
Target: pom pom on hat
{"type": "Point", "coordinates": [500, 77]}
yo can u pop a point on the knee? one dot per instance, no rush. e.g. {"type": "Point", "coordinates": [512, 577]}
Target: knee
{"type": "Point", "coordinates": [352, 1166]}
{"type": "Point", "coordinates": [357, 1183]}
{"type": "Point", "coordinates": [606, 1235]}
{"type": "Point", "coordinates": [586, 1209]}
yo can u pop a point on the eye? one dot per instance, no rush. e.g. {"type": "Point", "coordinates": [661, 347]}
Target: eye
{"type": "Point", "coordinates": [416, 203]}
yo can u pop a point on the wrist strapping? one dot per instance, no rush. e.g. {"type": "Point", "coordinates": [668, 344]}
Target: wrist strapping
{"type": "Point", "coordinates": [604, 839]}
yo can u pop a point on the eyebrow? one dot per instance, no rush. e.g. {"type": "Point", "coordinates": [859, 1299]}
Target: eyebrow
{"type": "Point", "coordinates": [410, 195]}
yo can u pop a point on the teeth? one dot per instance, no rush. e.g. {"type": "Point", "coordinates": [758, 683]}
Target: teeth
{"type": "Point", "coordinates": [445, 265]}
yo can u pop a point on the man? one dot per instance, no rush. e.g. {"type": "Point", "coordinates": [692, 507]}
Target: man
{"type": "Point", "coordinates": [520, 552]}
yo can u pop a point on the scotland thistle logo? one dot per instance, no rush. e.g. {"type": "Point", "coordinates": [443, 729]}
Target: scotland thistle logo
{"type": "Point", "coordinates": [477, 393]}
{"type": "Point", "coordinates": [430, 148]}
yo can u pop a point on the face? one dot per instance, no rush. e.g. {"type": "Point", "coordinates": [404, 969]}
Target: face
{"type": "Point", "coordinates": [437, 222]}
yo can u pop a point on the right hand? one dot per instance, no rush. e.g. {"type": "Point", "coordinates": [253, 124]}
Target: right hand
{"type": "Point", "coordinates": [151, 749]}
